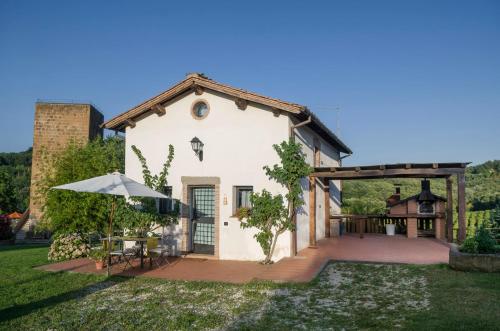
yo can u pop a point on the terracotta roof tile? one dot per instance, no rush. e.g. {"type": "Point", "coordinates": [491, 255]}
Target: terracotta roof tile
{"type": "Point", "coordinates": [120, 121]}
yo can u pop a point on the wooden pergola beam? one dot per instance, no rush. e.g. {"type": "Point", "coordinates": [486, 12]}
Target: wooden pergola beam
{"type": "Point", "coordinates": [368, 216]}
{"type": "Point", "coordinates": [358, 173]}
{"type": "Point", "coordinates": [405, 170]}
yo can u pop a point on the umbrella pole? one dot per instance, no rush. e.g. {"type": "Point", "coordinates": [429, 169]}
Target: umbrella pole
{"type": "Point", "coordinates": [110, 229]}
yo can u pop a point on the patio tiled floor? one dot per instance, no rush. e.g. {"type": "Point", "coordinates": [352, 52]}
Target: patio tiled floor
{"type": "Point", "coordinates": [302, 268]}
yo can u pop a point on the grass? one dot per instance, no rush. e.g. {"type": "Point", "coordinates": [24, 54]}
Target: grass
{"type": "Point", "coordinates": [345, 296]}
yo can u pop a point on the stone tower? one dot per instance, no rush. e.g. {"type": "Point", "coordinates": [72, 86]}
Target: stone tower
{"type": "Point", "coordinates": [57, 124]}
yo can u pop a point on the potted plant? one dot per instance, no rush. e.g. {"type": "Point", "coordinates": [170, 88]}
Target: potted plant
{"type": "Point", "coordinates": [98, 256]}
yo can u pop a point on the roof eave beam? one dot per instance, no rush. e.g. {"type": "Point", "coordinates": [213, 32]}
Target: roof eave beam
{"type": "Point", "coordinates": [159, 110]}
{"type": "Point", "coordinates": [130, 123]}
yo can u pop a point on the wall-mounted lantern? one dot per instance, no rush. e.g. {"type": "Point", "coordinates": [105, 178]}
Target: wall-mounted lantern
{"type": "Point", "coordinates": [197, 146]}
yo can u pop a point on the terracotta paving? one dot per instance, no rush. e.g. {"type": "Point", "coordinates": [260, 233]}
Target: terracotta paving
{"type": "Point", "coordinates": [302, 268]}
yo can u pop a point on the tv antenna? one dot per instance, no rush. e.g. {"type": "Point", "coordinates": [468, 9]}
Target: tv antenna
{"type": "Point", "coordinates": [329, 109]}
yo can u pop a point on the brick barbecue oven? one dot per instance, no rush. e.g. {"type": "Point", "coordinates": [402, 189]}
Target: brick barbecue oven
{"type": "Point", "coordinates": [424, 212]}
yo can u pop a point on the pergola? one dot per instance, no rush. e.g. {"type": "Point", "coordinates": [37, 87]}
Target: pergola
{"type": "Point", "coordinates": [399, 170]}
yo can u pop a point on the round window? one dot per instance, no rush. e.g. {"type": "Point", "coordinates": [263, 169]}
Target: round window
{"type": "Point", "coordinates": [200, 109]}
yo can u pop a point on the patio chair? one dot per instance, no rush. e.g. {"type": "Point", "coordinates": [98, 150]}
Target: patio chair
{"type": "Point", "coordinates": [94, 239]}
{"type": "Point", "coordinates": [129, 254]}
{"type": "Point", "coordinates": [116, 251]}
{"type": "Point", "coordinates": [164, 249]}
{"type": "Point", "coordinates": [167, 241]}
{"type": "Point", "coordinates": [119, 253]}
{"type": "Point", "coordinates": [156, 253]}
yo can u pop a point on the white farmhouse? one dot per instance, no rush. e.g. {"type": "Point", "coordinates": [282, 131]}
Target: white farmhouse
{"type": "Point", "coordinates": [232, 131]}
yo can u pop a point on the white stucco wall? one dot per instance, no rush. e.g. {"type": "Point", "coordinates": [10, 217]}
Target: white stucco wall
{"type": "Point", "coordinates": [237, 145]}
{"type": "Point", "coordinates": [329, 157]}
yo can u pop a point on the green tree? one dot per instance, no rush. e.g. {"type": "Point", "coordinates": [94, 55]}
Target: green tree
{"type": "Point", "coordinates": [142, 216]}
{"type": "Point", "coordinates": [269, 214]}
{"type": "Point", "coordinates": [363, 206]}
{"type": "Point", "coordinates": [16, 174]}
{"type": "Point", "coordinates": [72, 212]}
{"type": "Point", "coordinates": [155, 182]}
{"type": "Point", "coordinates": [7, 200]}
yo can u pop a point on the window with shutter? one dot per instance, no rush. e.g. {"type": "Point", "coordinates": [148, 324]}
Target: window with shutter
{"type": "Point", "coordinates": [165, 205]}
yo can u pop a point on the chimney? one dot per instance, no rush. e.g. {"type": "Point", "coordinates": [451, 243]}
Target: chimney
{"type": "Point", "coordinates": [395, 197]}
{"type": "Point", "coordinates": [426, 194]}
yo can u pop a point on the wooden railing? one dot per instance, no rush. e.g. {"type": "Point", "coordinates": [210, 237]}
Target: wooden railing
{"type": "Point", "coordinates": [376, 224]}
{"type": "Point", "coordinates": [371, 223]}
{"type": "Point", "coordinates": [425, 227]}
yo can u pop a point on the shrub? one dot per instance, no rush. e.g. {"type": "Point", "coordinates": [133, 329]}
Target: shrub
{"type": "Point", "coordinates": [5, 228]}
{"type": "Point", "coordinates": [485, 242]}
{"type": "Point", "coordinates": [243, 212]}
{"type": "Point", "coordinates": [482, 243]}
{"type": "Point", "coordinates": [142, 215]}
{"type": "Point", "coordinates": [97, 254]}
{"type": "Point", "coordinates": [65, 211]}
{"type": "Point", "coordinates": [270, 215]}
{"type": "Point", "coordinates": [65, 247]}
{"type": "Point", "coordinates": [469, 246]}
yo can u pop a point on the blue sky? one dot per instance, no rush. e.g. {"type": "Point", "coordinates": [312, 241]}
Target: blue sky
{"type": "Point", "coordinates": [415, 81]}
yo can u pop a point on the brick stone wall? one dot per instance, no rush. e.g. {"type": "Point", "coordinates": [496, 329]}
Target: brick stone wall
{"type": "Point", "coordinates": [55, 125]}
{"type": "Point", "coordinates": [473, 262]}
{"type": "Point", "coordinates": [411, 227]}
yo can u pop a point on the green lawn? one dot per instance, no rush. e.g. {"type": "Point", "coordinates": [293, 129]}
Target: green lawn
{"type": "Point", "coordinates": [345, 296]}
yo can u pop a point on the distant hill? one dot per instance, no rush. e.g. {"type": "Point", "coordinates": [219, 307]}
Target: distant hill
{"type": "Point", "coordinates": [15, 175]}
{"type": "Point", "coordinates": [482, 189]}
{"type": "Point", "coordinates": [483, 186]}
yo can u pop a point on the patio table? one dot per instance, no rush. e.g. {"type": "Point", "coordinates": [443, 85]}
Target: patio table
{"type": "Point", "coordinates": [141, 241]}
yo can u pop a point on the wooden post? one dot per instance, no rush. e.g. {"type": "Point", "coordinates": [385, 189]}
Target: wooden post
{"type": "Point", "coordinates": [312, 211]}
{"type": "Point", "coordinates": [449, 209]}
{"type": "Point", "coordinates": [326, 191]}
{"type": "Point", "coordinates": [461, 207]}
{"type": "Point", "coordinates": [361, 227]}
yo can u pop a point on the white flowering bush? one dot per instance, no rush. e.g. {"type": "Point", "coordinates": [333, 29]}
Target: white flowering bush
{"type": "Point", "coordinates": [65, 247]}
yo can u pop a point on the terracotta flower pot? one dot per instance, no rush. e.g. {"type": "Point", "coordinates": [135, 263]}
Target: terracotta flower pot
{"type": "Point", "coordinates": [99, 265]}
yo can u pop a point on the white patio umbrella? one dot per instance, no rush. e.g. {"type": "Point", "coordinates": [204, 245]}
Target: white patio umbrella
{"type": "Point", "coordinates": [114, 184]}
